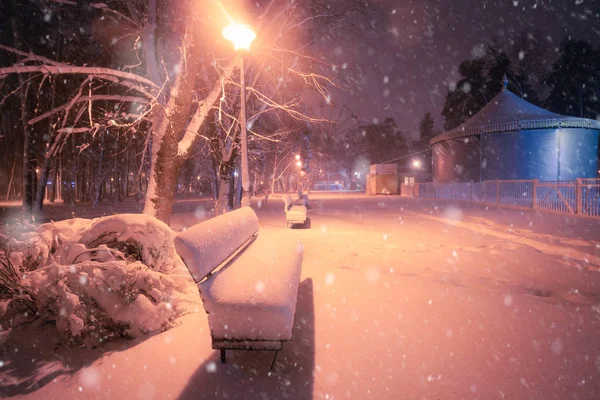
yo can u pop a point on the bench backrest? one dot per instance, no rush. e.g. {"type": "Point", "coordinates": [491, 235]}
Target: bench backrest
{"type": "Point", "coordinates": [287, 200]}
{"type": "Point", "coordinates": [204, 246]}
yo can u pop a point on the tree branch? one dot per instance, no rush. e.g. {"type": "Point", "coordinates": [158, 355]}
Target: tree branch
{"type": "Point", "coordinates": [67, 69]}
{"type": "Point", "coordinates": [131, 99]}
{"type": "Point", "coordinates": [29, 56]}
{"type": "Point", "coordinates": [202, 111]}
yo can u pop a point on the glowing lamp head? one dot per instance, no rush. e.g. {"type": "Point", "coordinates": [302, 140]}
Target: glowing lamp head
{"type": "Point", "coordinates": [297, 156]}
{"type": "Point", "coordinates": [240, 35]}
{"type": "Point", "coordinates": [416, 163]}
{"type": "Point", "coordinates": [299, 163]}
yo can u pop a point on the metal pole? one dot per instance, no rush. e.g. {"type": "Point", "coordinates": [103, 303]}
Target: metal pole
{"type": "Point", "coordinates": [244, 138]}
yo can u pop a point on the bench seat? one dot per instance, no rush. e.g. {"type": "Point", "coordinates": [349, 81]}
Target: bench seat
{"type": "Point", "coordinates": [296, 214]}
{"type": "Point", "coordinates": [254, 298]}
{"type": "Point", "coordinates": [248, 282]}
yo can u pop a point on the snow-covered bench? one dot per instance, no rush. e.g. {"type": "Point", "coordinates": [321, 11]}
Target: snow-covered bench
{"type": "Point", "coordinates": [248, 283]}
{"type": "Point", "coordinates": [294, 214]}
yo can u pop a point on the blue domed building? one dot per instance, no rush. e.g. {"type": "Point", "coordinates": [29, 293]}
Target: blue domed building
{"type": "Point", "coordinates": [512, 139]}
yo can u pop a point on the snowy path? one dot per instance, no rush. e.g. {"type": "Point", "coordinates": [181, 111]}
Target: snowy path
{"type": "Point", "coordinates": [399, 300]}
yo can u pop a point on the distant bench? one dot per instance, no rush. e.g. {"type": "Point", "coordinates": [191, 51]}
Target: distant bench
{"type": "Point", "coordinates": [249, 286]}
{"type": "Point", "coordinates": [295, 213]}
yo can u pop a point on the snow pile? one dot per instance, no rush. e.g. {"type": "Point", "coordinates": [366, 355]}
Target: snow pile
{"type": "Point", "coordinates": [96, 279]}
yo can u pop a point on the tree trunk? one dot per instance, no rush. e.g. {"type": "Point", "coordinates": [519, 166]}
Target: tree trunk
{"type": "Point", "coordinates": [97, 197]}
{"type": "Point", "coordinates": [52, 193]}
{"type": "Point", "coordinates": [12, 176]}
{"type": "Point", "coordinates": [41, 185]}
{"type": "Point", "coordinates": [238, 189]}
{"type": "Point", "coordinates": [222, 204]}
{"type": "Point", "coordinates": [215, 179]}
{"type": "Point", "coordinates": [28, 173]}
{"type": "Point", "coordinates": [159, 201]}
{"type": "Point", "coordinates": [127, 173]}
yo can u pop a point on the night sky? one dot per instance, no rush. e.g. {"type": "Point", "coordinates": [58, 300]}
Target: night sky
{"type": "Point", "coordinates": [401, 66]}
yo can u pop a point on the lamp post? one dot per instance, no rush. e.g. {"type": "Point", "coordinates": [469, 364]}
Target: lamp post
{"type": "Point", "coordinates": [242, 36]}
{"type": "Point", "coordinates": [299, 165]}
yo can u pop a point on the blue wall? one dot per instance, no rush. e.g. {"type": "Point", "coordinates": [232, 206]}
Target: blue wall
{"type": "Point", "coordinates": [545, 154]}
{"type": "Point", "coordinates": [578, 153]}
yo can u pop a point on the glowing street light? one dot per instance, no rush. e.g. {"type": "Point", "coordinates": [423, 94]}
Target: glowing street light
{"type": "Point", "coordinates": [416, 163]}
{"type": "Point", "coordinates": [299, 163]}
{"type": "Point", "coordinates": [242, 36]}
{"type": "Point", "coordinates": [297, 156]}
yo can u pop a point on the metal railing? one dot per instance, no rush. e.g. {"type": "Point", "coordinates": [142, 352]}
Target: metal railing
{"type": "Point", "coordinates": [578, 197]}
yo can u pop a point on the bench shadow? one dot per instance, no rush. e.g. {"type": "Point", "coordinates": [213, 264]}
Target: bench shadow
{"type": "Point", "coordinates": [247, 374]}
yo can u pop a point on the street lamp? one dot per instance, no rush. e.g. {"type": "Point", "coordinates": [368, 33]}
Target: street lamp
{"type": "Point", "coordinates": [416, 163]}
{"type": "Point", "coordinates": [242, 36]}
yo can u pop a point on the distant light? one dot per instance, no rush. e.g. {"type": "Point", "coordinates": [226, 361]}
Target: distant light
{"type": "Point", "coordinates": [240, 35]}
{"type": "Point", "coordinates": [299, 163]}
{"type": "Point", "coordinates": [297, 156]}
{"type": "Point", "coordinates": [302, 173]}
{"type": "Point", "coordinates": [37, 170]}
{"type": "Point", "coordinates": [235, 173]}
{"type": "Point", "coordinates": [416, 163]}
{"type": "Point", "coordinates": [198, 177]}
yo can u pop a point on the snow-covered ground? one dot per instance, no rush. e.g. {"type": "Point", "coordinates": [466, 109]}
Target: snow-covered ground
{"type": "Point", "coordinates": [399, 299]}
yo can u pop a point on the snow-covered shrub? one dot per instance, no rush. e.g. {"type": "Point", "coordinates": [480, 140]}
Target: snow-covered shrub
{"type": "Point", "coordinates": [95, 279]}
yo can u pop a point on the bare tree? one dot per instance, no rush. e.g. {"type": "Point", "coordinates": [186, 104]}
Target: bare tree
{"type": "Point", "coordinates": [182, 87]}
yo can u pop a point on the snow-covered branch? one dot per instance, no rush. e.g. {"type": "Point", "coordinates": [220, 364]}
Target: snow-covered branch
{"type": "Point", "coordinates": [202, 111]}
{"type": "Point", "coordinates": [124, 99]}
{"type": "Point", "coordinates": [99, 72]}
{"type": "Point", "coordinates": [29, 56]}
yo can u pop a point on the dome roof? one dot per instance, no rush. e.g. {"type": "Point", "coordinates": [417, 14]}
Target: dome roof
{"type": "Point", "coordinates": [509, 112]}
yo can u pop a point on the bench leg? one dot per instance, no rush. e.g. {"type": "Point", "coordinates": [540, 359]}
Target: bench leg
{"type": "Point", "coordinates": [223, 356]}
{"type": "Point", "coordinates": [274, 358]}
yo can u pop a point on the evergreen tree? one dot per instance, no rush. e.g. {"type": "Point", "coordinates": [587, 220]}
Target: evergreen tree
{"type": "Point", "coordinates": [468, 97]}
{"type": "Point", "coordinates": [384, 141]}
{"type": "Point", "coordinates": [529, 55]}
{"type": "Point", "coordinates": [574, 79]}
{"type": "Point", "coordinates": [426, 128]}
{"type": "Point", "coordinates": [498, 65]}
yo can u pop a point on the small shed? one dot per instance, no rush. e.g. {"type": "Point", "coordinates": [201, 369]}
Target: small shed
{"type": "Point", "coordinates": [383, 179]}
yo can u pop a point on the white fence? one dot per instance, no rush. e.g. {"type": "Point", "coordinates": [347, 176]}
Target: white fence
{"type": "Point", "coordinates": [580, 197]}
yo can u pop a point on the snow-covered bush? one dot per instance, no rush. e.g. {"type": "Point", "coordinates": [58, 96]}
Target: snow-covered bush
{"type": "Point", "coordinates": [95, 279]}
